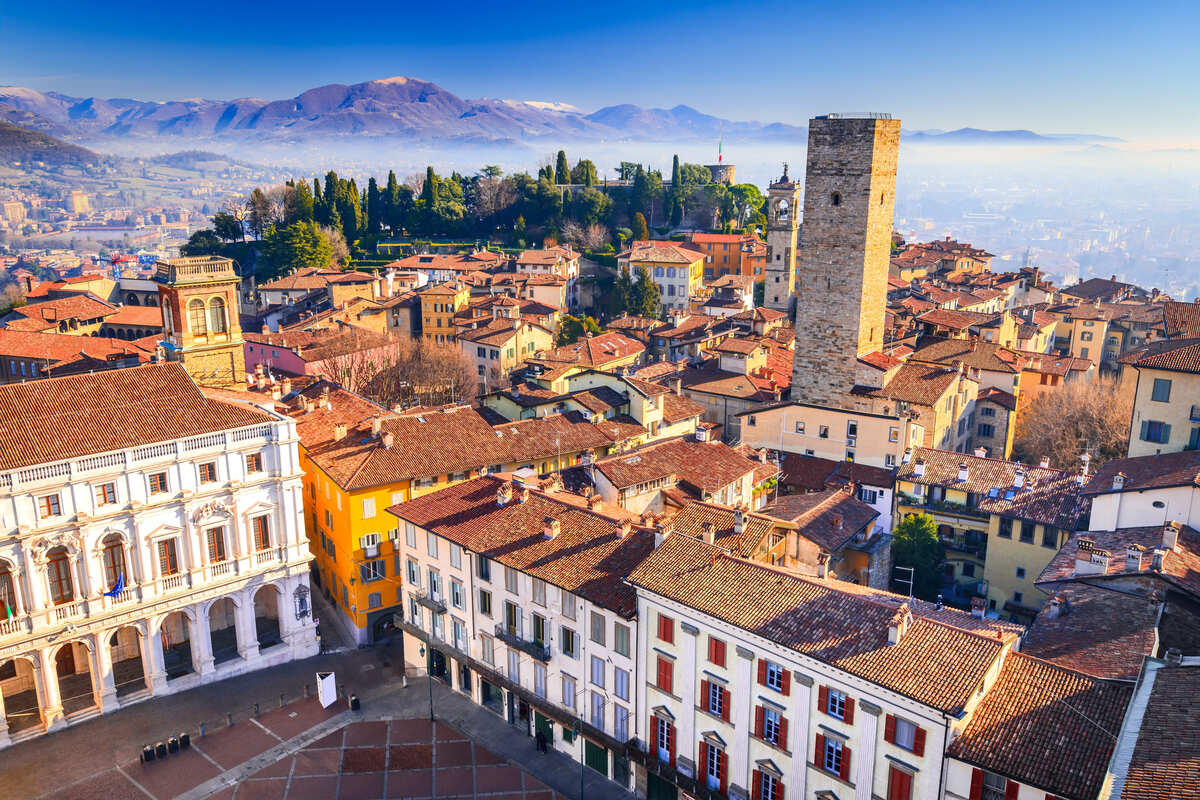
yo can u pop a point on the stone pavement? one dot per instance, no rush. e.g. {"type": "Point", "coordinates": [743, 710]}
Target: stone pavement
{"type": "Point", "coordinates": [301, 750]}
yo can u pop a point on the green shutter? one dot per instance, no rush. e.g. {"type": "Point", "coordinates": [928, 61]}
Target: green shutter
{"type": "Point", "coordinates": [1145, 430]}
{"type": "Point", "coordinates": [1166, 433]}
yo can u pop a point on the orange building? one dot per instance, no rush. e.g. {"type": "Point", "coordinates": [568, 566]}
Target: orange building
{"type": "Point", "coordinates": [730, 254]}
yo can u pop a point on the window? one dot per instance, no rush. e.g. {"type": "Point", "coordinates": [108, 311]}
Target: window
{"type": "Point", "coordinates": [216, 315]}
{"type": "Point", "coordinates": [768, 788]}
{"type": "Point", "coordinates": [485, 603]}
{"type": "Point", "coordinates": [328, 519]}
{"type": "Point", "coordinates": [1026, 532]}
{"type": "Point", "coordinates": [987, 431]}
{"type": "Point", "coordinates": [374, 570]}
{"type": "Point", "coordinates": [208, 472]}
{"type": "Point", "coordinates": [664, 740]}
{"type": "Point", "coordinates": [823, 431]}
{"type": "Point", "coordinates": [772, 726]}
{"type": "Point", "coordinates": [868, 496]}
{"type": "Point", "coordinates": [620, 723]}
{"type": "Point", "coordinates": [1155, 431]}
{"type": "Point", "coordinates": [994, 786]}
{"type": "Point", "coordinates": [714, 769]}
{"type": "Point", "coordinates": [375, 600]}
{"type": "Point", "coordinates": [568, 604]}
{"type": "Point", "coordinates": [568, 691]}
{"type": "Point", "coordinates": [114, 561]}
{"type": "Point", "coordinates": [431, 543]}
{"type": "Point", "coordinates": [410, 534]}
{"type": "Point", "coordinates": [832, 757]}
{"type": "Point", "coordinates": [456, 554]}
{"type": "Point", "coordinates": [435, 585]}
{"type": "Point", "coordinates": [539, 680]}
{"type": "Point", "coordinates": [1049, 537]}
{"type": "Point", "coordinates": [569, 642]}
{"type": "Point", "coordinates": [1006, 526]}
{"type": "Point", "coordinates": [598, 710]}
{"type": "Point", "coordinates": [1085, 336]}
{"type": "Point", "coordinates": [598, 627]}
{"type": "Point", "coordinates": [835, 199]}
{"type": "Point", "coordinates": [539, 592]}
{"type": "Point", "coordinates": [483, 568]}
{"type": "Point", "coordinates": [196, 317]}
{"type": "Point", "coordinates": [716, 651]}
{"type": "Point", "coordinates": [987, 411]}
{"type": "Point", "coordinates": [456, 594]}
{"type": "Point", "coordinates": [666, 628]}
{"type": "Point", "coordinates": [510, 579]}
{"type": "Point", "coordinates": [414, 572]}
{"type": "Point", "coordinates": [262, 532]}
{"type": "Point", "coordinates": [539, 627]}
{"type": "Point", "coordinates": [968, 570]}
{"type": "Point", "coordinates": [774, 676]}
{"type": "Point", "coordinates": [906, 734]}
{"type": "Point", "coordinates": [487, 648]}
{"type": "Point", "coordinates": [58, 571]}
{"type": "Point", "coordinates": [106, 494]}
{"type": "Point", "coordinates": [800, 426]}
{"type": "Point", "coordinates": [1018, 598]}
{"type": "Point", "coordinates": [254, 462]}
{"type": "Point", "coordinates": [621, 683]}
{"type": "Point", "coordinates": [893, 434]}
{"type": "Point", "coordinates": [414, 611]}
{"type": "Point", "coordinates": [368, 509]}
{"type": "Point", "coordinates": [168, 557]}
{"type": "Point", "coordinates": [621, 639]}
{"type": "Point", "coordinates": [158, 483]}
{"type": "Point", "coordinates": [899, 784]}
{"type": "Point", "coordinates": [48, 506]}
{"type": "Point", "coordinates": [665, 677]}
{"type": "Point", "coordinates": [836, 704]}
{"type": "Point", "coordinates": [714, 703]}
{"type": "Point", "coordinates": [215, 538]}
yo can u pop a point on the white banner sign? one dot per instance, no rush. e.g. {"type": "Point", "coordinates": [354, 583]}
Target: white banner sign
{"type": "Point", "coordinates": [326, 689]}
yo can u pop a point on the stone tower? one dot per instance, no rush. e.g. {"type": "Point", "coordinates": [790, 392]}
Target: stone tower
{"type": "Point", "coordinates": [783, 221]}
{"type": "Point", "coordinates": [841, 292]}
{"type": "Point", "coordinates": [199, 301]}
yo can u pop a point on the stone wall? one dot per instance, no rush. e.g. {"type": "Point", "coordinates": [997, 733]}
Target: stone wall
{"type": "Point", "coordinates": [849, 199]}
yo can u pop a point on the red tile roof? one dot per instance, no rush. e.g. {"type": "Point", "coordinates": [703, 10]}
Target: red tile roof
{"type": "Point", "coordinates": [59, 350]}
{"type": "Point", "coordinates": [1181, 320]}
{"type": "Point", "coordinates": [1161, 471]}
{"type": "Point", "coordinates": [588, 557]}
{"type": "Point", "coordinates": [1183, 358]}
{"type": "Point", "coordinates": [1165, 763]}
{"type": "Point", "coordinates": [594, 351]}
{"type": "Point", "coordinates": [1181, 566]}
{"type": "Point", "coordinates": [1046, 726]}
{"type": "Point", "coordinates": [707, 466]}
{"type": "Point", "coordinates": [831, 517]}
{"type": "Point", "coordinates": [98, 412]}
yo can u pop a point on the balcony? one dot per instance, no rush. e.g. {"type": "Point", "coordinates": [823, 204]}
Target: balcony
{"type": "Point", "coordinates": [943, 506]}
{"type": "Point", "coordinates": [173, 583]}
{"type": "Point", "coordinates": [21, 624]}
{"type": "Point", "coordinates": [265, 557]}
{"type": "Point", "coordinates": [535, 649]}
{"type": "Point", "coordinates": [432, 602]}
{"type": "Point", "coordinates": [66, 611]}
{"type": "Point", "coordinates": [971, 545]}
{"type": "Point", "coordinates": [221, 569]}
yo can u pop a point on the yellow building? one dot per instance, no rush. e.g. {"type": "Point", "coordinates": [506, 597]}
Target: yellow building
{"type": "Point", "coordinates": [199, 302]}
{"type": "Point", "coordinates": [1166, 401]}
{"type": "Point", "coordinates": [999, 521]}
{"type": "Point", "coordinates": [359, 458]}
{"type": "Point", "coordinates": [439, 304]}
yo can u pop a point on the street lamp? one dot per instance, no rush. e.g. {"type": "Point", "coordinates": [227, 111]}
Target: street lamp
{"type": "Point", "coordinates": [577, 728]}
{"type": "Point", "coordinates": [429, 677]}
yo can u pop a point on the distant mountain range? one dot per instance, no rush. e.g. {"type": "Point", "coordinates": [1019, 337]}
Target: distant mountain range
{"type": "Point", "coordinates": [20, 145]}
{"type": "Point", "coordinates": [412, 110]}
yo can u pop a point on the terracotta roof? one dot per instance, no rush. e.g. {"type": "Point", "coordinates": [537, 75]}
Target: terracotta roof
{"type": "Point", "coordinates": [47, 314]}
{"type": "Point", "coordinates": [548, 255]}
{"type": "Point", "coordinates": [662, 253]}
{"type": "Point", "coordinates": [1045, 726]}
{"type": "Point", "coordinates": [916, 383]}
{"type": "Point", "coordinates": [1166, 758]}
{"type": "Point", "coordinates": [730, 238]}
{"type": "Point", "coordinates": [111, 410]}
{"type": "Point", "coordinates": [737, 345]}
{"type": "Point", "coordinates": [593, 351]}
{"type": "Point", "coordinates": [1185, 357]}
{"type": "Point", "coordinates": [1049, 496]}
{"type": "Point", "coordinates": [708, 379]}
{"type": "Point", "coordinates": [61, 349]}
{"type": "Point", "coordinates": [322, 343]}
{"type": "Point", "coordinates": [1096, 288]}
{"type": "Point", "coordinates": [692, 518]}
{"type": "Point", "coordinates": [708, 466]}
{"type": "Point", "coordinates": [1161, 471]}
{"type": "Point", "coordinates": [1000, 397]}
{"type": "Point", "coordinates": [1181, 566]}
{"type": "Point", "coordinates": [933, 663]}
{"type": "Point", "coordinates": [1181, 319]}
{"type": "Point", "coordinates": [954, 319]}
{"type": "Point", "coordinates": [760, 314]}
{"type": "Point", "coordinates": [880, 360]}
{"type": "Point", "coordinates": [588, 557]}
{"type": "Point", "coordinates": [677, 407]}
{"type": "Point", "coordinates": [1096, 631]}
{"type": "Point", "coordinates": [971, 353]}
{"type": "Point", "coordinates": [831, 518]}
{"type": "Point", "coordinates": [813, 474]}
{"type": "Point", "coordinates": [628, 323]}
{"type": "Point", "coordinates": [141, 316]}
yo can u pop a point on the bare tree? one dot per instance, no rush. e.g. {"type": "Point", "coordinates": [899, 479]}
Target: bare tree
{"type": "Point", "coordinates": [595, 237]}
{"type": "Point", "coordinates": [573, 233]}
{"type": "Point", "coordinates": [416, 182]}
{"type": "Point", "coordinates": [1079, 416]}
{"type": "Point", "coordinates": [418, 372]}
{"type": "Point", "coordinates": [340, 252]}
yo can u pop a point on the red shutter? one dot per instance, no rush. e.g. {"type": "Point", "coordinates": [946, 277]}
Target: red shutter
{"type": "Point", "coordinates": [783, 733]}
{"type": "Point", "coordinates": [725, 702]}
{"type": "Point", "coordinates": [719, 652]}
{"type": "Point", "coordinates": [762, 672]}
{"type": "Point", "coordinates": [1011, 789]}
{"type": "Point", "coordinates": [976, 784]}
{"type": "Point", "coordinates": [666, 628]}
{"type": "Point", "coordinates": [899, 785]}
{"type": "Point", "coordinates": [671, 743]}
{"type": "Point", "coordinates": [819, 753]}
{"type": "Point", "coordinates": [702, 763]}
{"type": "Point", "coordinates": [666, 675]}
{"type": "Point", "coordinates": [653, 737]}
{"type": "Point", "coordinates": [759, 713]}
{"type": "Point", "coordinates": [704, 691]}
{"type": "Point", "coordinates": [722, 768]}
{"type": "Point", "coordinates": [1051, 796]}
{"type": "Point", "coordinates": [778, 795]}
{"type": "Point", "coordinates": [756, 786]}
{"type": "Point", "coordinates": [823, 700]}
{"type": "Point", "coordinates": [787, 682]}
{"type": "Point", "coordinates": [919, 742]}
{"type": "Point", "coordinates": [849, 715]}
{"type": "Point", "coordinates": [889, 729]}
{"type": "Point", "coordinates": [846, 764]}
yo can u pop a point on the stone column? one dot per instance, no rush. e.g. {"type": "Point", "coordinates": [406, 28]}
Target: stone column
{"type": "Point", "coordinates": [798, 733]}
{"type": "Point", "coordinates": [201, 642]}
{"type": "Point", "coordinates": [864, 752]}
{"type": "Point", "coordinates": [103, 681]}
{"type": "Point", "coordinates": [35, 578]}
{"type": "Point", "coordinates": [247, 631]}
{"type": "Point", "coordinates": [742, 701]}
{"type": "Point", "coordinates": [49, 695]}
{"type": "Point", "coordinates": [685, 747]}
{"type": "Point", "coordinates": [153, 665]}
{"type": "Point", "coordinates": [5, 740]}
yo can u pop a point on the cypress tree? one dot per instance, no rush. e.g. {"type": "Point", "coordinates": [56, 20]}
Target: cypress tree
{"type": "Point", "coordinates": [562, 171]}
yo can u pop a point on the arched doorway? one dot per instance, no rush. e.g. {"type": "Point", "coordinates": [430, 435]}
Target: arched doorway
{"type": "Point", "coordinates": [176, 645]}
{"type": "Point", "coordinates": [266, 616]}
{"type": "Point", "coordinates": [222, 630]}
{"type": "Point", "coordinates": [125, 649]}
{"type": "Point", "coordinates": [18, 685]}
{"type": "Point", "coordinates": [72, 667]}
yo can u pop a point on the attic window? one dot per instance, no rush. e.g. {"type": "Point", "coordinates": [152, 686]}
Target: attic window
{"type": "Point", "coordinates": [993, 493]}
{"type": "Point", "coordinates": [1010, 494]}
{"type": "Point", "coordinates": [421, 420]}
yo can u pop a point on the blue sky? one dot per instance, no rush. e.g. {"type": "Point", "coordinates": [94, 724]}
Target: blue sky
{"type": "Point", "coordinates": [1123, 69]}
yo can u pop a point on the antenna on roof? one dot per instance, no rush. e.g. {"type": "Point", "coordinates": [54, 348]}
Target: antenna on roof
{"type": "Point", "coordinates": [908, 580]}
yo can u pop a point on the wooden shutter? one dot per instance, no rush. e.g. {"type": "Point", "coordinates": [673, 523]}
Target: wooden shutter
{"type": "Point", "coordinates": [899, 784]}
{"type": "Point", "coordinates": [704, 695]}
{"type": "Point", "coordinates": [762, 672]}
{"type": "Point", "coordinates": [976, 784]}
{"type": "Point", "coordinates": [653, 736]}
{"type": "Point", "coordinates": [665, 675]}
{"type": "Point", "coordinates": [819, 753]}
{"type": "Point", "coordinates": [846, 764]}
{"type": "Point", "coordinates": [823, 699]}
{"type": "Point", "coordinates": [759, 714]}
{"type": "Point", "coordinates": [725, 703]}
{"type": "Point", "coordinates": [778, 793]}
{"type": "Point", "coordinates": [889, 729]}
{"type": "Point", "coordinates": [1145, 430]}
{"type": "Point", "coordinates": [671, 743]}
{"type": "Point", "coordinates": [787, 682]}
{"type": "Point", "coordinates": [1010, 790]}
{"type": "Point", "coordinates": [702, 764]}
{"type": "Point", "coordinates": [849, 715]}
{"type": "Point", "coordinates": [716, 651]}
{"type": "Point", "coordinates": [919, 741]}
{"type": "Point", "coordinates": [756, 786]}
{"type": "Point", "coordinates": [722, 768]}
{"type": "Point", "coordinates": [783, 733]}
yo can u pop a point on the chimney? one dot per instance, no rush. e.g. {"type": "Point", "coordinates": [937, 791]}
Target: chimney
{"type": "Point", "coordinates": [907, 457]}
{"type": "Point", "coordinates": [260, 380]}
{"type": "Point", "coordinates": [963, 472]}
{"type": "Point", "coordinates": [708, 533]}
{"type": "Point", "coordinates": [739, 521]}
{"type": "Point", "coordinates": [1170, 539]}
{"type": "Point", "coordinates": [1118, 481]}
{"type": "Point", "coordinates": [939, 603]}
{"type": "Point", "coordinates": [388, 440]}
{"type": "Point", "coordinates": [1019, 478]}
{"type": "Point", "coordinates": [662, 531]}
{"type": "Point", "coordinates": [978, 606]}
{"type": "Point", "coordinates": [376, 425]}
{"type": "Point", "coordinates": [836, 520]}
{"type": "Point", "coordinates": [286, 386]}
{"type": "Point", "coordinates": [551, 528]}
{"type": "Point", "coordinates": [822, 565]}
{"type": "Point", "coordinates": [1084, 460]}
{"type": "Point", "coordinates": [339, 431]}
{"type": "Point", "coordinates": [762, 456]}
{"type": "Point", "coordinates": [595, 502]}
{"type": "Point", "coordinates": [259, 370]}
{"type": "Point", "coordinates": [701, 434]}
{"type": "Point", "coordinates": [627, 528]}
{"type": "Point", "coordinates": [919, 468]}
{"type": "Point", "coordinates": [981, 452]}
{"type": "Point", "coordinates": [1089, 559]}
{"type": "Point", "coordinates": [1158, 559]}
{"type": "Point", "coordinates": [1174, 657]}
{"type": "Point", "coordinates": [1057, 607]}
{"type": "Point", "coordinates": [504, 494]}
{"type": "Point", "coordinates": [1133, 558]}
{"type": "Point", "coordinates": [522, 494]}
{"type": "Point", "coordinates": [899, 624]}
{"type": "Point", "coordinates": [276, 392]}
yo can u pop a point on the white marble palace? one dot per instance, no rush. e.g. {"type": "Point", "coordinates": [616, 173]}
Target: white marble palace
{"type": "Point", "coordinates": [151, 539]}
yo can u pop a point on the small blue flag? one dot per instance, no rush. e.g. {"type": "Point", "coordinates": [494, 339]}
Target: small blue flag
{"type": "Point", "coordinates": [118, 587]}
